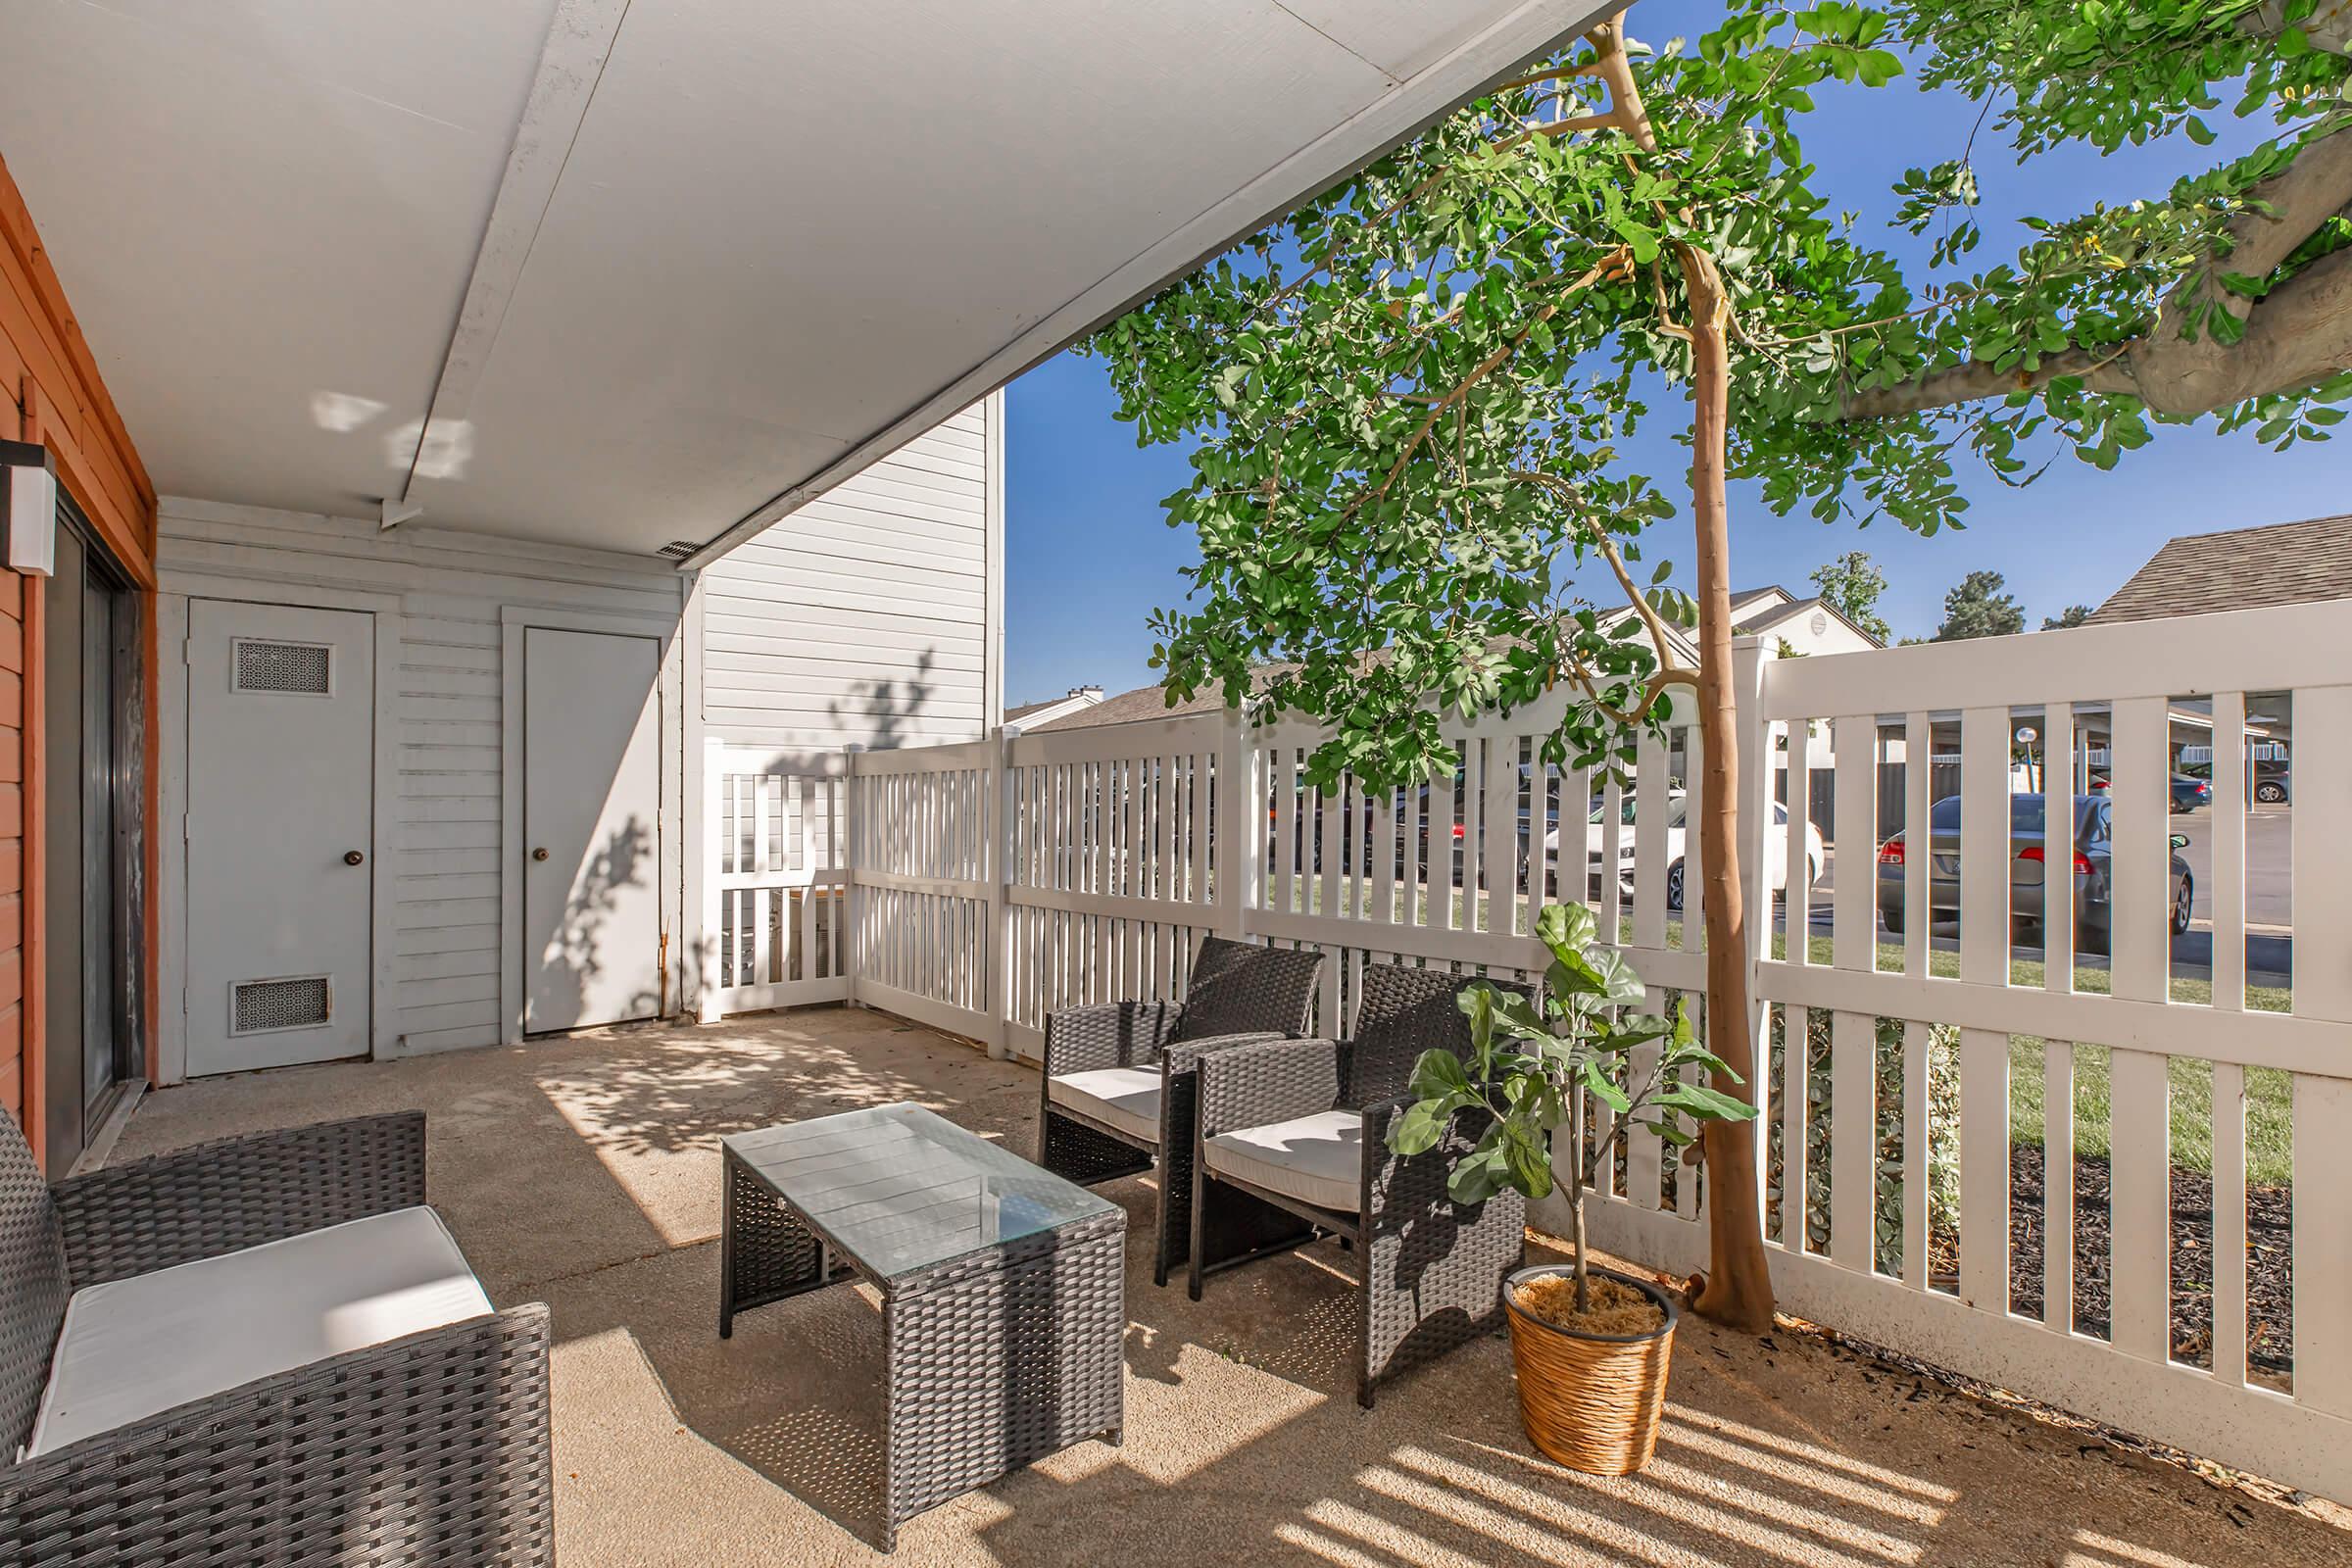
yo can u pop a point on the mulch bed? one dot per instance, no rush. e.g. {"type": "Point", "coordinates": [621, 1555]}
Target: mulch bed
{"type": "Point", "coordinates": [2270, 1260]}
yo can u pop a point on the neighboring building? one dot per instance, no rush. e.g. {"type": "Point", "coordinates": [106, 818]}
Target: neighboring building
{"type": "Point", "coordinates": [1128, 708]}
{"type": "Point", "coordinates": [1806, 625]}
{"type": "Point", "coordinates": [2239, 568]}
{"type": "Point", "coordinates": [1033, 715]}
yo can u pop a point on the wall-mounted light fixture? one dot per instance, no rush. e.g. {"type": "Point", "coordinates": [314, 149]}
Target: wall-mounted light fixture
{"type": "Point", "coordinates": [31, 506]}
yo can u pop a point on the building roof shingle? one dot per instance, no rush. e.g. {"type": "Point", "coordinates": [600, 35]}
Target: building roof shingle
{"type": "Point", "coordinates": [2280, 564]}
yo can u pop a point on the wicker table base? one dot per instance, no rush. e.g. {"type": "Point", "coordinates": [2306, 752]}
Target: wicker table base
{"type": "Point", "coordinates": [992, 1359]}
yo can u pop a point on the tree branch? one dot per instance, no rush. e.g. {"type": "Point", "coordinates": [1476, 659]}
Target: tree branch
{"type": "Point", "coordinates": [2327, 27]}
{"type": "Point", "coordinates": [2294, 335]}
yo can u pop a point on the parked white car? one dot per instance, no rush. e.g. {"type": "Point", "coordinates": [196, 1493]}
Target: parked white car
{"type": "Point", "coordinates": [1776, 847]}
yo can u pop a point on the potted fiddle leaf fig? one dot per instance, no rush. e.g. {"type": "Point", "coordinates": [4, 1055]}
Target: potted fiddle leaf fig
{"type": "Point", "coordinates": [1591, 1345]}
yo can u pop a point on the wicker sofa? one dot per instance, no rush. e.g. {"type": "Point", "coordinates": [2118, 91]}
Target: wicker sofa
{"type": "Point", "coordinates": [130, 1298]}
{"type": "Point", "coordinates": [1120, 1076]}
{"type": "Point", "coordinates": [1293, 1144]}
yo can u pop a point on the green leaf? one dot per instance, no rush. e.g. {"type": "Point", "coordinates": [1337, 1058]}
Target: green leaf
{"type": "Point", "coordinates": [1419, 1128]}
{"type": "Point", "coordinates": [1566, 928]}
{"type": "Point", "coordinates": [1439, 1074]}
{"type": "Point", "coordinates": [1607, 1093]}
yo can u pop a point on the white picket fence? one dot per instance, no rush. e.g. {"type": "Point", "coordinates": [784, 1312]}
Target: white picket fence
{"type": "Point", "coordinates": [991, 882]}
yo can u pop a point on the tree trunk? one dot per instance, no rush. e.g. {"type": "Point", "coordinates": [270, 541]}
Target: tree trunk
{"type": "Point", "coordinates": [1739, 1289]}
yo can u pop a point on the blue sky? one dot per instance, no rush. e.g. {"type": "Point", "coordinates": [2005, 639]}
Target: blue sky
{"type": "Point", "coordinates": [1089, 554]}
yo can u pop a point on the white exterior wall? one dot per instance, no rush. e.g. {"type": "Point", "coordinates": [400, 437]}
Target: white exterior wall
{"type": "Point", "coordinates": [874, 613]}
{"type": "Point", "coordinates": [451, 597]}
{"type": "Point", "coordinates": [873, 616]}
{"type": "Point", "coordinates": [1796, 630]}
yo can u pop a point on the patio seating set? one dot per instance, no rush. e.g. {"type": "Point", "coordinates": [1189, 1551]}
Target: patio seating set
{"type": "Point", "coordinates": [270, 1349]}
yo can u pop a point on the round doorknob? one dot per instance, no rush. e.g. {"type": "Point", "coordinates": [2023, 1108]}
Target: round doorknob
{"type": "Point", "coordinates": [539, 854]}
{"type": "Point", "coordinates": [353, 858]}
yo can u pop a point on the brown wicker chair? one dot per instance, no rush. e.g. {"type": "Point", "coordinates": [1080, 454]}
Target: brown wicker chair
{"type": "Point", "coordinates": [1292, 1145]}
{"type": "Point", "coordinates": [1120, 1079]}
{"type": "Point", "coordinates": [432, 1447]}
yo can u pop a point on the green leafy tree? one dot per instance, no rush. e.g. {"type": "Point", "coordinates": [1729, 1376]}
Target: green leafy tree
{"type": "Point", "coordinates": [1978, 607]}
{"type": "Point", "coordinates": [2071, 615]}
{"type": "Point", "coordinates": [1853, 585]}
{"type": "Point", "coordinates": [1407, 402]}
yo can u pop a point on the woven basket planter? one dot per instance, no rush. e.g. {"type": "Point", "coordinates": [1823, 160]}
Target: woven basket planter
{"type": "Point", "coordinates": [1591, 1401]}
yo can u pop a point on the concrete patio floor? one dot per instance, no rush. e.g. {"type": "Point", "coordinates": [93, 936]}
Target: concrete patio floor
{"type": "Point", "coordinates": [583, 1171]}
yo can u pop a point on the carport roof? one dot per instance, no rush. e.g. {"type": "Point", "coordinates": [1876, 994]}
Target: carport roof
{"type": "Point", "coordinates": [629, 272]}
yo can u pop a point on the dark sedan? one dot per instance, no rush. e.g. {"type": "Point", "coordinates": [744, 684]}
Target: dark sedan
{"type": "Point", "coordinates": [2188, 790]}
{"type": "Point", "coordinates": [2093, 849]}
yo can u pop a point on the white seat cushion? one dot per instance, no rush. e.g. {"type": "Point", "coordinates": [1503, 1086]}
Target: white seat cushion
{"type": "Point", "coordinates": [133, 1348]}
{"type": "Point", "coordinates": [1318, 1159]}
{"type": "Point", "coordinates": [1124, 1097]}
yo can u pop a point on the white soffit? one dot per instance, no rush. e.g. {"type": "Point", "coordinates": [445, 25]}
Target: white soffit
{"type": "Point", "coordinates": [659, 269]}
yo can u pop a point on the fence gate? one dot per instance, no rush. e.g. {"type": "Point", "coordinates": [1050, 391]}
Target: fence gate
{"type": "Point", "coordinates": [775, 888]}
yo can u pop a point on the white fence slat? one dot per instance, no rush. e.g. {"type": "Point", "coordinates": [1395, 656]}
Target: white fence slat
{"type": "Point", "coordinates": [1918, 746]}
{"type": "Point", "coordinates": [1474, 838]}
{"type": "Point", "coordinates": [1439, 875]}
{"type": "Point", "coordinates": [1501, 811]}
{"type": "Point", "coordinates": [1984, 845]}
{"type": "Point", "coordinates": [2228, 1211]}
{"type": "Point", "coordinates": [1797, 900]}
{"type": "Point", "coordinates": [2323, 1158]}
{"type": "Point", "coordinates": [1916, 1151]}
{"type": "Point", "coordinates": [1644, 1154]}
{"type": "Point", "coordinates": [2139, 1204]}
{"type": "Point", "coordinates": [1612, 844]}
{"type": "Point", "coordinates": [1855, 914]}
{"type": "Point", "coordinates": [1543, 790]}
{"type": "Point", "coordinates": [2323, 990]}
{"type": "Point", "coordinates": [1795, 1104]}
{"type": "Point", "coordinates": [2140, 786]}
{"type": "Point", "coordinates": [1984, 1166]}
{"type": "Point", "coordinates": [2323, 826]}
{"type": "Point", "coordinates": [2058, 915]}
{"type": "Point", "coordinates": [1334, 806]}
{"type": "Point", "coordinates": [1650, 805]}
{"type": "Point", "coordinates": [1853, 1139]}
{"type": "Point", "coordinates": [1286, 826]}
{"type": "Point", "coordinates": [2226, 894]}
{"type": "Point", "coordinates": [2058, 1185]}
{"type": "Point", "coordinates": [763, 900]}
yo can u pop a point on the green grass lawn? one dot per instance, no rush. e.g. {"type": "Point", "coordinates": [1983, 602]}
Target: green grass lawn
{"type": "Point", "coordinates": [2269, 1092]}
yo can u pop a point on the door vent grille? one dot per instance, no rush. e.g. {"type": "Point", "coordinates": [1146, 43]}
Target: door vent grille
{"type": "Point", "coordinates": [261, 1006]}
{"type": "Point", "coordinates": [306, 668]}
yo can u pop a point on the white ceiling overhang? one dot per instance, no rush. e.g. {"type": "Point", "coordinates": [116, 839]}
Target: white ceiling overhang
{"type": "Point", "coordinates": [624, 272]}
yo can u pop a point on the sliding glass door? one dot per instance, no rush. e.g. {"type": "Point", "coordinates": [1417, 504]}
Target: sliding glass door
{"type": "Point", "coordinates": [93, 788]}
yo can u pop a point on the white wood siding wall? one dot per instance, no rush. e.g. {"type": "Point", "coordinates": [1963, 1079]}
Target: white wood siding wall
{"type": "Point", "coordinates": [872, 614]}
{"type": "Point", "coordinates": [451, 588]}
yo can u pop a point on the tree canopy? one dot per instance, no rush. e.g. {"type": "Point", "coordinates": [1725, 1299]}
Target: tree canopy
{"type": "Point", "coordinates": [1853, 585]}
{"type": "Point", "coordinates": [1410, 400]}
{"type": "Point", "coordinates": [1978, 607]}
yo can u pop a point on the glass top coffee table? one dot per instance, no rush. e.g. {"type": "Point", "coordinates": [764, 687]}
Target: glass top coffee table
{"type": "Point", "coordinates": [1003, 1287]}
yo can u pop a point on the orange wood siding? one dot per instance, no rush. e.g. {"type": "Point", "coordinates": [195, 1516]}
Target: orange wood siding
{"type": "Point", "coordinates": [54, 396]}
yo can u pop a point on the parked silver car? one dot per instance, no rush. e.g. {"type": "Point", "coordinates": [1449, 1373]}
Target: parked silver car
{"type": "Point", "coordinates": [2093, 848]}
